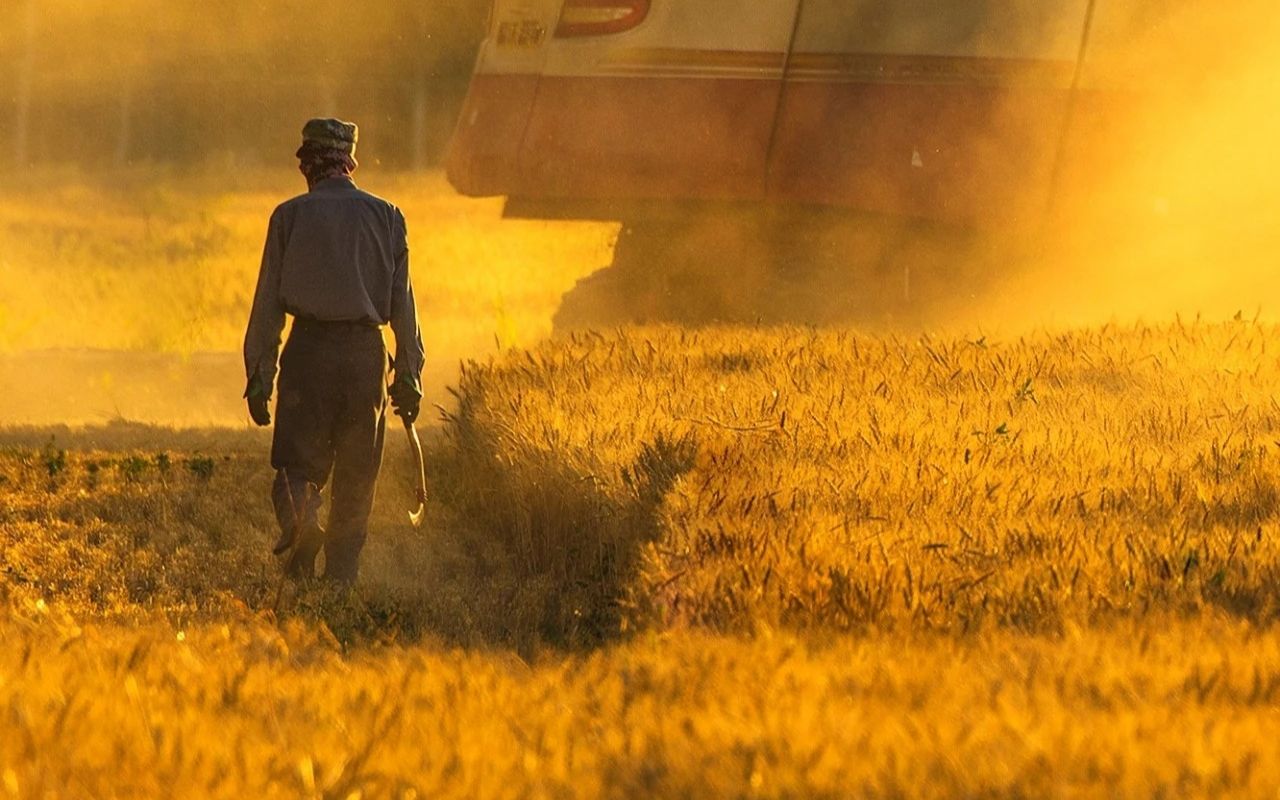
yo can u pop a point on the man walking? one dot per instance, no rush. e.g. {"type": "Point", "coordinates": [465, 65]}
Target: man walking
{"type": "Point", "coordinates": [336, 260]}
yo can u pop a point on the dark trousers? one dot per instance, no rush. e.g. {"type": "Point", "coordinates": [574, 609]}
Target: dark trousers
{"type": "Point", "coordinates": [330, 420]}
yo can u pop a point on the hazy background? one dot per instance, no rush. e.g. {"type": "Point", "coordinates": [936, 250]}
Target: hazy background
{"type": "Point", "coordinates": [185, 82]}
{"type": "Point", "coordinates": [148, 141]}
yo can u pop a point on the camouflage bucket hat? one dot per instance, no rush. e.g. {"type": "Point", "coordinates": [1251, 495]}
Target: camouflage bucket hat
{"type": "Point", "coordinates": [331, 133]}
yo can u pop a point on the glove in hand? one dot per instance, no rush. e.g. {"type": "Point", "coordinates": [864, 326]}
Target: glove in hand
{"type": "Point", "coordinates": [406, 398]}
{"type": "Point", "coordinates": [259, 402]}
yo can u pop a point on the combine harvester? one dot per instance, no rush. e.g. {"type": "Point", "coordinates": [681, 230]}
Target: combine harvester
{"type": "Point", "coordinates": [752, 147]}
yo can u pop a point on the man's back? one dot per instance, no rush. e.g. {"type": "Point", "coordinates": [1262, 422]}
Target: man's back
{"type": "Point", "coordinates": [341, 249]}
{"type": "Point", "coordinates": [334, 254]}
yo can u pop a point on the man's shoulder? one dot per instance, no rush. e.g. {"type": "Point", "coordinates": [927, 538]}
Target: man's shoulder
{"type": "Point", "coordinates": [376, 200]}
{"type": "Point", "coordinates": [289, 205]}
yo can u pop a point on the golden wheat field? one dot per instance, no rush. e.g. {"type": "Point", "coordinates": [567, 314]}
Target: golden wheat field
{"type": "Point", "coordinates": [659, 562]}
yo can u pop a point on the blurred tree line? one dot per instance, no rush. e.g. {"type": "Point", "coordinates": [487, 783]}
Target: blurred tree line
{"type": "Point", "coordinates": [188, 82]}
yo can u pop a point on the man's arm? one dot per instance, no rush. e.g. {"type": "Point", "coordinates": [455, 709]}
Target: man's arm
{"type": "Point", "coordinates": [404, 313]}
{"type": "Point", "coordinates": [266, 320]}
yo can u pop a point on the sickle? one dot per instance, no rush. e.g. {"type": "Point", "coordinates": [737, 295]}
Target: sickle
{"type": "Point", "coordinates": [415, 517]}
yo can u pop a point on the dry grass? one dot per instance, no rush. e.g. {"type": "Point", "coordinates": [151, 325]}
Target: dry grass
{"type": "Point", "coordinates": [115, 529]}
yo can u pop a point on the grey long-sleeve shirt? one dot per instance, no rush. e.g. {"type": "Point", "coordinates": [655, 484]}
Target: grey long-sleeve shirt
{"type": "Point", "coordinates": [336, 254]}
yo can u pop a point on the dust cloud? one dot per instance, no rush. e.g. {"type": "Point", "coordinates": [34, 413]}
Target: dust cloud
{"type": "Point", "coordinates": [1172, 209]}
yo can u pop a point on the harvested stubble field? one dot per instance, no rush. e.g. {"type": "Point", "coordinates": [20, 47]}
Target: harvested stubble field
{"type": "Point", "coordinates": [126, 295]}
{"type": "Point", "coordinates": [673, 563]}
{"type": "Point", "coordinates": [152, 261]}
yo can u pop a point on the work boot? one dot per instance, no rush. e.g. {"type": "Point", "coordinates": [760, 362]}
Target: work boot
{"type": "Point", "coordinates": [297, 506]}
{"type": "Point", "coordinates": [301, 563]}
{"type": "Point", "coordinates": [286, 540]}
{"type": "Point", "coordinates": [342, 552]}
